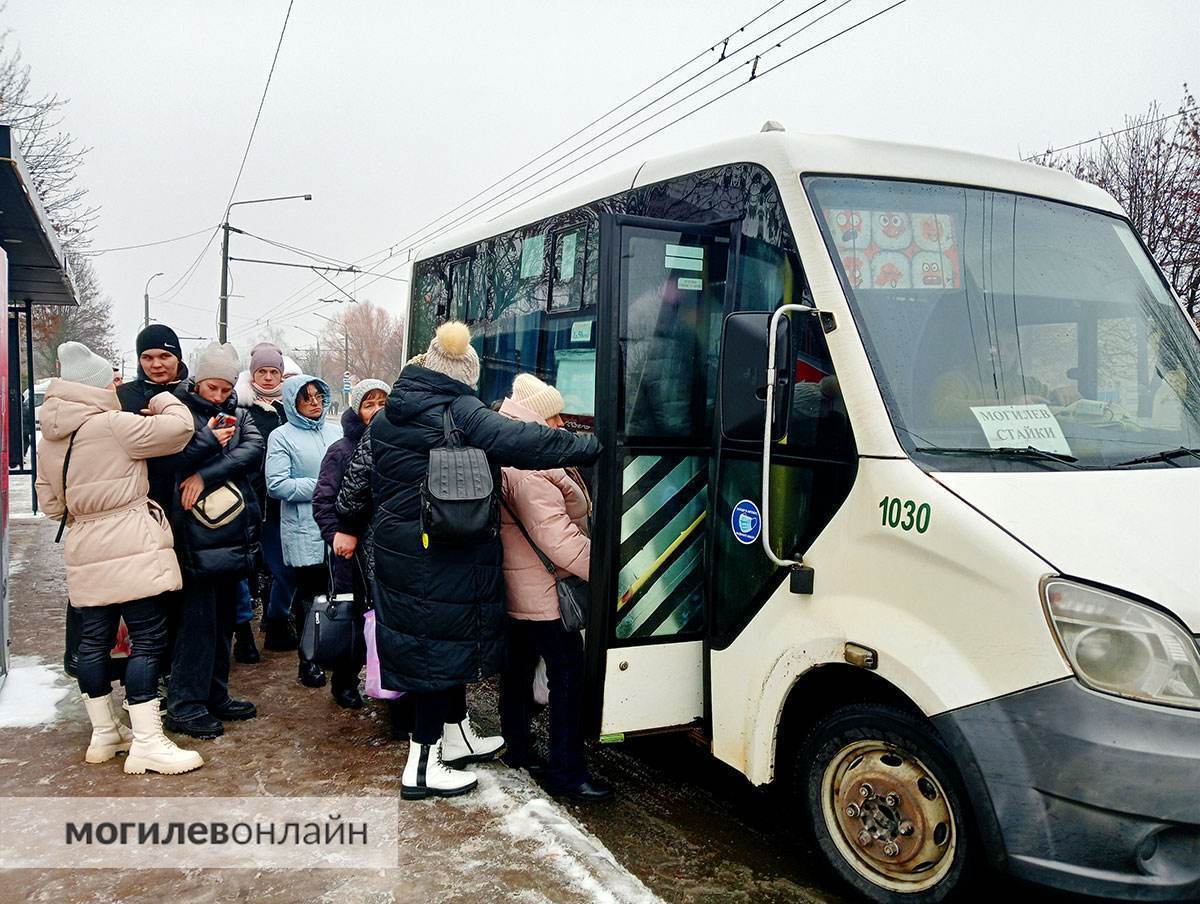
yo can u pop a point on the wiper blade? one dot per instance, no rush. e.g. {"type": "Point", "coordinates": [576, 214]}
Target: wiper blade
{"type": "Point", "coordinates": [1165, 455]}
{"type": "Point", "coordinates": [1009, 451]}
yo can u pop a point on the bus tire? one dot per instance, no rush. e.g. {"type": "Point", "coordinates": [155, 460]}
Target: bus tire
{"type": "Point", "coordinates": [885, 804]}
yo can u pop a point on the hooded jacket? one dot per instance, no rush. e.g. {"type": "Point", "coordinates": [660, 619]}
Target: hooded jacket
{"type": "Point", "coordinates": [294, 455]}
{"type": "Point", "coordinates": [119, 546]}
{"type": "Point", "coordinates": [136, 395]}
{"type": "Point", "coordinates": [554, 508]}
{"type": "Point", "coordinates": [440, 611]}
{"type": "Point", "coordinates": [231, 548]}
{"type": "Point", "coordinates": [329, 482]}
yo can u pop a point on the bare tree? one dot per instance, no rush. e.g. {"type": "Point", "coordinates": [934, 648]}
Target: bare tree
{"type": "Point", "coordinates": [1152, 167]}
{"type": "Point", "coordinates": [52, 154]}
{"type": "Point", "coordinates": [89, 322]}
{"type": "Point", "coordinates": [373, 338]}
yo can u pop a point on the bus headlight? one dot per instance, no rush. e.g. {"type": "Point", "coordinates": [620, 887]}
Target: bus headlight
{"type": "Point", "coordinates": [1122, 647]}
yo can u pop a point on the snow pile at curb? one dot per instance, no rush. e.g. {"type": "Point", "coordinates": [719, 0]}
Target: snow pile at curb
{"type": "Point", "coordinates": [524, 815]}
{"type": "Point", "coordinates": [31, 694]}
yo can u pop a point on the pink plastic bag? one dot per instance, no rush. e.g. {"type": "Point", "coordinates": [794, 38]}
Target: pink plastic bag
{"type": "Point", "coordinates": [374, 685]}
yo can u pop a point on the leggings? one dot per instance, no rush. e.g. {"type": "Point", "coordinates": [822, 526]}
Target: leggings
{"type": "Point", "coordinates": [147, 624]}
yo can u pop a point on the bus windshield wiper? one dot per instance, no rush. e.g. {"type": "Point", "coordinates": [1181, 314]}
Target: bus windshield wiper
{"type": "Point", "coordinates": [1165, 455]}
{"type": "Point", "coordinates": [1008, 451]}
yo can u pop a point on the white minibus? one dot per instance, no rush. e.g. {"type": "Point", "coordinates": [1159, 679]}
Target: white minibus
{"type": "Point", "coordinates": [949, 589]}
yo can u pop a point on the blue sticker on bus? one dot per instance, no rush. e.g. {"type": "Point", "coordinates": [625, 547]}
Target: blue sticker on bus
{"type": "Point", "coordinates": [746, 522]}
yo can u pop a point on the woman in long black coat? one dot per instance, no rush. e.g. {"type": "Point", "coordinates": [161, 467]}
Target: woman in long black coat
{"type": "Point", "coordinates": [440, 610]}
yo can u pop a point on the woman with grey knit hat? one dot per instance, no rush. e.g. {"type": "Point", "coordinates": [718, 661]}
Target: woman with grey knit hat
{"type": "Point", "coordinates": [119, 552]}
{"type": "Point", "coordinates": [440, 609]}
{"type": "Point", "coordinates": [216, 519]}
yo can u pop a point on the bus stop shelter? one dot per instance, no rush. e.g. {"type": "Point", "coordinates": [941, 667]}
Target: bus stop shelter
{"type": "Point", "coordinates": [37, 275]}
{"type": "Point", "coordinates": [33, 271]}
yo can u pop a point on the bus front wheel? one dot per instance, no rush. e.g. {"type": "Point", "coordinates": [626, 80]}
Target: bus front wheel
{"type": "Point", "coordinates": [885, 804]}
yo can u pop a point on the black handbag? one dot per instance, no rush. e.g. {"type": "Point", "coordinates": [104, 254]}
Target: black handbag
{"type": "Point", "coordinates": [572, 590]}
{"type": "Point", "coordinates": [331, 635]}
{"type": "Point", "coordinates": [458, 498]}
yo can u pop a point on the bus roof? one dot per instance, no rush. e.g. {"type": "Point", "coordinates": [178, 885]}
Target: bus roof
{"type": "Point", "coordinates": [787, 155]}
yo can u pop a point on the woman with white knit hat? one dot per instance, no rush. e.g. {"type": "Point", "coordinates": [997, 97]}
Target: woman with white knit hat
{"type": "Point", "coordinates": [440, 609]}
{"type": "Point", "coordinates": [119, 554]}
{"type": "Point", "coordinates": [551, 508]}
{"type": "Point", "coordinates": [217, 546]}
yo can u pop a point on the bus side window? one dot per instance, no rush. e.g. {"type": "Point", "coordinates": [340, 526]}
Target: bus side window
{"type": "Point", "coordinates": [460, 280]}
{"type": "Point", "coordinates": [566, 287]}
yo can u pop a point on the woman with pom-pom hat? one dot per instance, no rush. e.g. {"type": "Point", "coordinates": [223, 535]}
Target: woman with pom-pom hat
{"type": "Point", "coordinates": [440, 610]}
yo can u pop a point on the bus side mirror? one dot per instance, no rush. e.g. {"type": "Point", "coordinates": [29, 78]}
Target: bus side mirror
{"type": "Point", "coordinates": [743, 375]}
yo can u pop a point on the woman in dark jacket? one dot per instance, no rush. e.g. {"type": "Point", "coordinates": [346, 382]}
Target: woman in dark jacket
{"type": "Point", "coordinates": [261, 398]}
{"type": "Point", "coordinates": [440, 609]}
{"type": "Point", "coordinates": [366, 399]}
{"type": "Point", "coordinates": [224, 452]}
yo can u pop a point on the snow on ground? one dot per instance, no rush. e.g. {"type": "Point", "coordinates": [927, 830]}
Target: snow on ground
{"type": "Point", "coordinates": [514, 804]}
{"type": "Point", "coordinates": [30, 694]}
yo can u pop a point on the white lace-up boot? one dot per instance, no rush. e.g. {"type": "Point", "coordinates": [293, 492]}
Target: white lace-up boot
{"type": "Point", "coordinates": [426, 775]}
{"type": "Point", "coordinates": [109, 734]}
{"type": "Point", "coordinates": [152, 750]}
{"type": "Point", "coordinates": [461, 745]}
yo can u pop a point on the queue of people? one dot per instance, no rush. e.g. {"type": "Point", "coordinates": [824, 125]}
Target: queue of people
{"type": "Point", "coordinates": [220, 485]}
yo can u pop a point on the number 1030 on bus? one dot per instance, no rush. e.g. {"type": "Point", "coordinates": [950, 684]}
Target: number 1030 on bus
{"type": "Point", "coordinates": [904, 514]}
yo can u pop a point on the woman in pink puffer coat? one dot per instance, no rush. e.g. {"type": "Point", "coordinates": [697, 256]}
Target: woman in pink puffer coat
{"type": "Point", "coordinates": [554, 506]}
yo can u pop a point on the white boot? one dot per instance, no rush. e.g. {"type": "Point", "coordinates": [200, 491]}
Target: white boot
{"type": "Point", "coordinates": [460, 744]}
{"type": "Point", "coordinates": [109, 735]}
{"type": "Point", "coordinates": [425, 775]}
{"type": "Point", "coordinates": [152, 750]}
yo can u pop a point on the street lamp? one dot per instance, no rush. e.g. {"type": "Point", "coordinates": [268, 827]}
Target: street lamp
{"type": "Point", "coordinates": [146, 298]}
{"type": "Point", "coordinates": [223, 314]}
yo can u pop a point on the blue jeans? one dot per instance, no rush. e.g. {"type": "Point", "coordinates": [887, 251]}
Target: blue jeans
{"type": "Point", "coordinates": [283, 585]}
{"type": "Point", "coordinates": [245, 608]}
{"type": "Point", "coordinates": [147, 624]}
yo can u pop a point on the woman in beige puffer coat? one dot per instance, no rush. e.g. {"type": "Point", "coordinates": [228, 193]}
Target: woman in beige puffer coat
{"type": "Point", "coordinates": [119, 549]}
{"type": "Point", "coordinates": [554, 507]}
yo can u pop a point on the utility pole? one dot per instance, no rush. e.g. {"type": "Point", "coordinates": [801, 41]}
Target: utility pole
{"type": "Point", "coordinates": [146, 299]}
{"type": "Point", "coordinates": [223, 312]}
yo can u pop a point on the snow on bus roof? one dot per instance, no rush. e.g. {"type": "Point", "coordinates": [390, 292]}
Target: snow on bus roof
{"type": "Point", "coordinates": [790, 155]}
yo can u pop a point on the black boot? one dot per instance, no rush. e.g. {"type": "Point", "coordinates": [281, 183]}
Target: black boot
{"type": "Point", "coordinates": [278, 634]}
{"type": "Point", "coordinates": [310, 674]}
{"type": "Point", "coordinates": [244, 648]}
{"type": "Point", "coordinates": [203, 726]}
{"type": "Point", "coordinates": [233, 710]}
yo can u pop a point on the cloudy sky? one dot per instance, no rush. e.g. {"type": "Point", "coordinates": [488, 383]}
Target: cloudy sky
{"type": "Point", "coordinates": [392, 113]}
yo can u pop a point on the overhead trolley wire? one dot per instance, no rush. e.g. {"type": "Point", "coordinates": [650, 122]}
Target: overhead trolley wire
{"type": "Point", "coordinates": [180, 284]}
{"type": "Point", "coordinates": [529, 181]}
{"type": "Point", "coordinates": [721, 96]}
{"type": "Point", "coordinates": [1133, 128]}
{"type": "Point", "coordinates": [178, 238]}
{"type": "Point", "coordinates": [720, 43]}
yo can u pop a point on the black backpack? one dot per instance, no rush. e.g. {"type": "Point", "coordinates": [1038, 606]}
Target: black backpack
{"type": "Point", "coordinates": [459, 505]}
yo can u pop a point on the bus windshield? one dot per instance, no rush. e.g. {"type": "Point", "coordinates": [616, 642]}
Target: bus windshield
{"type": "Point", "coordinates": [1002, 327]}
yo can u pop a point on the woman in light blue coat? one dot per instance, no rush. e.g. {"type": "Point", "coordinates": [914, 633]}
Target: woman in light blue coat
{"type": "Point", "coordinates": [294, 455]}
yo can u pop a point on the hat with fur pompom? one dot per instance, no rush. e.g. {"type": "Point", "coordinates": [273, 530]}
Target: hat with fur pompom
{"type": "Point", "coordinates": [450, 353]}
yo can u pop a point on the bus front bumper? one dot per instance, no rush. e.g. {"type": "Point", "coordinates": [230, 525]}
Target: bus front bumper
{"type": "Point", "coordinates": [1083, 791]}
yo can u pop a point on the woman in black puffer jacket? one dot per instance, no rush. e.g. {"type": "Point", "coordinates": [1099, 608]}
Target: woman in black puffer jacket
{"type": "Point", "coordinates": [225, 451]}
{"type": "Point", "coordinates": [440, 610]}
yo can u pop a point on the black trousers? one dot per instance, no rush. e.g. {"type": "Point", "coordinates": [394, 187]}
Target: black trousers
{"type": "Point", "coordinates": [200, 660]}
{"type": "Point", "coordinates": [563, 652]}
{"type": "Point", "coordinates": [147, 624]}
{"type": "Point", "coordinates": [311, 580]}
{"type": "Point", "coordinates": [433, 709]}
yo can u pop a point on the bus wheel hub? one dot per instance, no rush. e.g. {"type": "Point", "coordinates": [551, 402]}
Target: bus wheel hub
{"type": "Point", "coordinates": [890, 815]}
